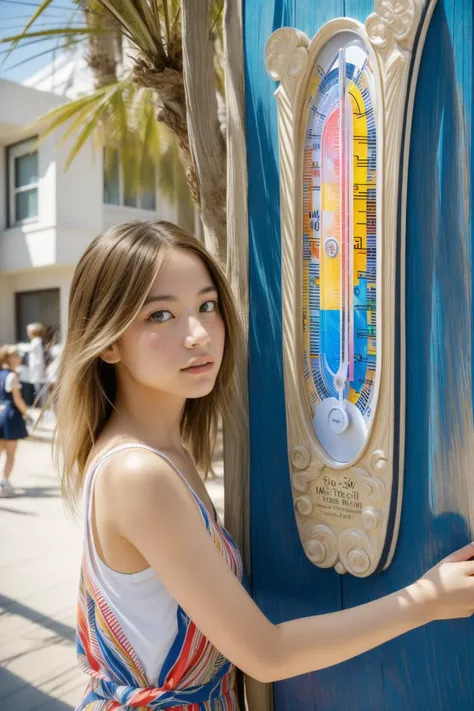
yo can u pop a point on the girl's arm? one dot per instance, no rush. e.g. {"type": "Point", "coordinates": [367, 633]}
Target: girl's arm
{"type": "Point", "coordinates": [17, 396]}
{"type": "Point", "coordinates": [153, 509]}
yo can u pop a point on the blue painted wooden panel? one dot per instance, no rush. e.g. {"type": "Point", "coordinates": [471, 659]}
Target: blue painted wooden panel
{"type": "Point", "coordinates": [278, 561]}
{"type": "Point", "coordinates": [428, 668]}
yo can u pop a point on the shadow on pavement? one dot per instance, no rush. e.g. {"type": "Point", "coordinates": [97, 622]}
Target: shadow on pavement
{"type": "Point", "coordinates": [35, 492]}
{"type": "Point", "coordinates": [13, 607]}
{"type": "Point", "coordinates": [18, 512]}
{"type": "Point", "coordinates": [18, 695]}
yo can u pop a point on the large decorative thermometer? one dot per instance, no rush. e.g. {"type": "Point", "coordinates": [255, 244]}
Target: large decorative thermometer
{"type": "Point", "coordinates": [345, 101]}
{"type": "Point", "coordinates": [340, 247]}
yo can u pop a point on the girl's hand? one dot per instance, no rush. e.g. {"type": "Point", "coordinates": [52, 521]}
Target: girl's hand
{"type": "Point", "coordinates": [447, 590]}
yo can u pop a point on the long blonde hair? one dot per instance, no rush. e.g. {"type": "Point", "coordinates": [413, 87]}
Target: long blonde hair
{"type": "Point", "coordinates": [109, 287]}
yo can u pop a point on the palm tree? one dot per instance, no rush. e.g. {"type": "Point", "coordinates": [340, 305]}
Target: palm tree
{"type": "Point", "coordinates": [174, 81]}
{"type": "Point", "coordinates": [162, 99]}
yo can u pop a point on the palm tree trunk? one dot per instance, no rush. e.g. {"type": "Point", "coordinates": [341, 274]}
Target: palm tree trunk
{"type": "Point", "coordinates": [206, 143]}
{"type": "Point", "coordinates": [168, 83]}
{"type": "Point", "coordinates": [259, 697]}
{"type": "Point", "coordinates": [102, 55]}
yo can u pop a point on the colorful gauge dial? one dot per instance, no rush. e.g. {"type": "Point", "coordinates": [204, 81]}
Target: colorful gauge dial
{"type": "Point", "coordinates": [340, 246]}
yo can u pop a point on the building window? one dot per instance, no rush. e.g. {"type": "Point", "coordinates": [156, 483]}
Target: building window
{"type": "Point", "coordinates": [23, 182]}
{"type": "Point", "coordinates": [40, 306]}
{"type": "Point", "coordinates": [111, 179]}
{"type": "Point", "coordinates": [114, 188]}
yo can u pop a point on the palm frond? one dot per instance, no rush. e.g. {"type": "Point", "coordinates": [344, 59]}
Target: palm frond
{"type": "Point", "coordinates": [119, 123]}
{"type": "Point", "coordinates": [122, 115]}
{"type": "Point", "coordinates": [56, 32]}
{"type": "Point", "coordinates": [175, 25]}
{"type": "Point", "coordinates": [215, 12]}
{"type": "Point", "coordinates": [216, 34]}
{"type": "Point", "coordinates": [175, 6]}
{"type": "Point", "coordinates": [26, 44]}
{"type": "Point", "coordinates": [86, 111]}
{"type": "Point", "coordinates": [146, 12]}
{"type": "Point", "coordinates": [59, 116]}
{"type": "Point", "coordinates": [39, 54]}
{"type": "Point", "coordinates": [153, 137]}
{"type": "Point", "coordinates": [127, 13]}
{"type": "Point", "coordinates": [166, 17]}
{"type": "Point", "coordinates": [44, 6]}
{"type": "Point", "coordinates": [92, 122]}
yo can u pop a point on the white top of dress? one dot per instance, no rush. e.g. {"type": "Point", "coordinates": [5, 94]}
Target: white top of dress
{"type": "Point", "coordinates": [142, 605]}
{"type": "Point", "coordinates": [36, 365]}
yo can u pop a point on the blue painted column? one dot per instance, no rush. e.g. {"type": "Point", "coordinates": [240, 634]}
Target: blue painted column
{"type": "Point", "coordinates": [429, 668]}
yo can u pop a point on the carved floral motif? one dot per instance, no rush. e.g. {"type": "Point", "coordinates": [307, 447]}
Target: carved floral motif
{"type": "Point", "coordinates": [392, 20]}
{"type": "Point", "coordinates": [286, 53]}
{"type": "Point", "coordinates": [378, 461]}
{"type": "Point", "coordinates": [304, 505]}
{"type": "Point", "coordinates": [371, 518]}
{"type": "Point", "coordinates": [320, 544]}
{"type": "Point", "coordinates": [300, 457]}
{"type": "Point", "coordinates": [355, 551]}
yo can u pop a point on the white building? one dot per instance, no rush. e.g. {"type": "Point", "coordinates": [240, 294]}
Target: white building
{"type": "Point", "coordinates": [48, 215]}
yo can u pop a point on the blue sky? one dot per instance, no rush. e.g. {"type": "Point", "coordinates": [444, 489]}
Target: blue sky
{"type": "Point", "coordinates": [14, 14]}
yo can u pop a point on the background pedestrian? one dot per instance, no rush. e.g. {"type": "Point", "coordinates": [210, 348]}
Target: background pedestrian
{"type": "Point", "coordinates": [13, 410]}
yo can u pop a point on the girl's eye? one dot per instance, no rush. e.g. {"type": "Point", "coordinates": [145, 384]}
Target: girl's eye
{"type": "Point", "coordinates": [160, 316]}
{"type": "Point", "coordinates": [209, 306]}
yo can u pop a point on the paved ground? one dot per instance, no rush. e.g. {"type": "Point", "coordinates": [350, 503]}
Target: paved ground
{"type": "Point", "coordinates": [39, 567]}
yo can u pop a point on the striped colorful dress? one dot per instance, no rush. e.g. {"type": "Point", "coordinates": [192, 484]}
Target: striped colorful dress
{"type": "Point", "coordinates": [194, 677]}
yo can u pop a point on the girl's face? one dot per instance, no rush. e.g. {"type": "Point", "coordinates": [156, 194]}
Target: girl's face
{"type": "Point", "coordinates": [14, 360]}
{"type": "Point", "coordinates": [176, 343]}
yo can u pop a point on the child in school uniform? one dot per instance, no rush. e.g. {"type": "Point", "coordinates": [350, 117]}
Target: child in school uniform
{"type": "Point", "coordinates": [13, 410]}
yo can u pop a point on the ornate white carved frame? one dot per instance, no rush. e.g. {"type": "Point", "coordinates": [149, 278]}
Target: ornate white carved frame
{"type": "Point", "coordinates": [394, 36]}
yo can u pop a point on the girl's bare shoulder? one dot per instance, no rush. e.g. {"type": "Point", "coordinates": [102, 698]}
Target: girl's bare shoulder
{"type": "Point", "coordinates": [107, 443]}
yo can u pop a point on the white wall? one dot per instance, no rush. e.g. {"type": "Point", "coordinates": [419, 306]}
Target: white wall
{"type": "Point", "coordinates": [20, 107]}
{"type": "Point", "coordinates": [48, 180]}
{"type": "Point", "coordinates": [7, 311]}
{"type": "Point", "coordinates": [79, 201]}
{"type": "Point", "coordinates": [3, 188]}
{"type": "Point", "coordinates": [26, 247]}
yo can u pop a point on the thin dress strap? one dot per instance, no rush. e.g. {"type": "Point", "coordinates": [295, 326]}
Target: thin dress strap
{"type": "Point", "coordinates": [90, 478]}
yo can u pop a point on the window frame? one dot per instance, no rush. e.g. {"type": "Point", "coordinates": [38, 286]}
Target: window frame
{"type": "Point", "coordinates": [20, 337]}
{"type": "Point", "coordinates": [121, 191]}
{"type": "Point", "coordinates": [17, 150]}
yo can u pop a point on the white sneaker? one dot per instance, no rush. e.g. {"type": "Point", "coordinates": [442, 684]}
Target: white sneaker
{"type": "Point", "coordinates": [6, 489]}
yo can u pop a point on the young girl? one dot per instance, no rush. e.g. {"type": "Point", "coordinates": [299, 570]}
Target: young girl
{"type": "Point", "coordinates": [12, 413]}
{"type": "Point", "coordinates": [163, 616]}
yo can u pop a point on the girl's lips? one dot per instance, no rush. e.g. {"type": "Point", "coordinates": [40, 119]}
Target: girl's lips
{"type": "Point", "coordinates": [195, 369]}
